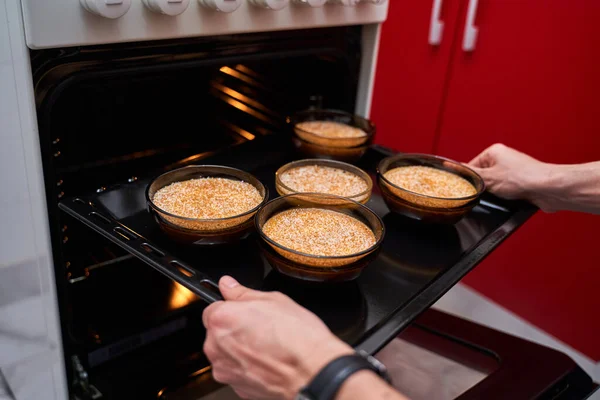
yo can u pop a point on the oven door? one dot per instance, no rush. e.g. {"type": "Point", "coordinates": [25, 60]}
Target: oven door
{"type": "Point", "coordinates": [444, 357]}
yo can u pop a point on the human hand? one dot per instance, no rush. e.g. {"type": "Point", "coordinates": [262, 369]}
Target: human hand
{"type": "Point", "coordinates": [265, 345]}
{"type": "Point", "coordinates": [510, 174]}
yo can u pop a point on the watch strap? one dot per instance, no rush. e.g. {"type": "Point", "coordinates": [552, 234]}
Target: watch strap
{"type": "Point", "coordinates": [329, 380]}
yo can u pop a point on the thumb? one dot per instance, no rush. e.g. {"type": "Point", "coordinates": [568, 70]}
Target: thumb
{"type": "Point", "coordinates": [484, 173]}
{"type": "Point", "coordinates": [232, 290]}
{"type": "Point", "coordinates": [480, 171]}
{"type": "Point", "coordinates": [479, 161]}
{"type": "Point", "coordinates": [485, 159]}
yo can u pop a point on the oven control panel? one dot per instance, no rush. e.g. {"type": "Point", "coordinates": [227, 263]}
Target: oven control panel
{"type": "Point", "coordinates": [64, 23]}
{"type": "Point", "coordinates": [166, 7]}
{"type": "Point", "coordinates": [221, 5]}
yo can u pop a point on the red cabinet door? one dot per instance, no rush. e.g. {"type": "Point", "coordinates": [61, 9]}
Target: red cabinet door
{"type": "Point", "coordinates": [532, 82]}
{"type": "Point", "coordinates": [411, 74]}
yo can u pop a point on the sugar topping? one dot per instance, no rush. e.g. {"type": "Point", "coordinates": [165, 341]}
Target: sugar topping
{"type": "Point", "coordinates": [430, 181]}
{"type": "Point", "coordinates": [320, 179]}
{"type": "Point", "coordinates": [318, 231]}
{"type": "Point", "coordinates": [207, 198]}
{"type": "Point", "coordinates": [331, 129]}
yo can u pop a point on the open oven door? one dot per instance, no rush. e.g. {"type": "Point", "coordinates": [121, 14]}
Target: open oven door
{"type": "Point", "coordinates": [441, 356]}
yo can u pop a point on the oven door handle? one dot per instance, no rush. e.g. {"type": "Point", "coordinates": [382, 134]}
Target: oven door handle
{"type": "Point", "coordinates": [97, 219]}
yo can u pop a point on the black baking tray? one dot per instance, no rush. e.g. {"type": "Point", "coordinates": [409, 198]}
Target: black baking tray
{"type": "Point", "coordinates": [417, 263]}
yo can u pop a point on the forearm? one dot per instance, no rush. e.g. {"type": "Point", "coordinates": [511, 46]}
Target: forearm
{"type": "Point", "coordinates": [367, 385]}
{"type": "Point", "coordinates": [569, 187]}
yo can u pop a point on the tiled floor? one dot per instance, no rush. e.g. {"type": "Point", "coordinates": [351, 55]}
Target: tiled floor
{"type": "Point", "coordinates": [26, 354]}
{"type": "Point", "coordinates": [31, 379]}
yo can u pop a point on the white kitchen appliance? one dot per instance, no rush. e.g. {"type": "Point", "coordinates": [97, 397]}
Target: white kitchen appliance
{"type": "Point", "coordinates": [45, 46]}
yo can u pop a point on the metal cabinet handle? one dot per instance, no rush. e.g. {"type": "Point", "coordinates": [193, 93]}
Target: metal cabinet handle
{"type": "Point", "coordinates": [470, 34]}
{"type": "Point", "coordinates": [436, 26]}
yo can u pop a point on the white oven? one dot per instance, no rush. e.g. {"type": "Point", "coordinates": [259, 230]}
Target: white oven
{"type": "Point", "coordinates": [45, 45]}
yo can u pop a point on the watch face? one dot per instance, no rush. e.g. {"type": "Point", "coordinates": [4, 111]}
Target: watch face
{"type": "Point", "coordinates": [302, 396]}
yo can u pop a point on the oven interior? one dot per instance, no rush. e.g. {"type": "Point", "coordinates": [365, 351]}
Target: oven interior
{"type": "Point", "coordinates": [109, 114]}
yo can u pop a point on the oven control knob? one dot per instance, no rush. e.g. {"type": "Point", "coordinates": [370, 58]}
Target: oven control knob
{"type": "Point", "coordinates": [350, 3]}
{"type": "Point", "coordinates": [221, 5]}
{"type": "Point", "coordinates": [167, 7]}
{"type": "Point", "coordinates": [311, 3]}
{"type": "Point", "coordinates": [271, 4]}
{"type": "Point", "coordinates": [107, 8]}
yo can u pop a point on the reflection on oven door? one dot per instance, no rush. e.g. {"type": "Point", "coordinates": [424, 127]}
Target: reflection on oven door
{"type": "Point", "coordinates": [199, 386]}
{"type": "Point", "coordinates": [225, 393]}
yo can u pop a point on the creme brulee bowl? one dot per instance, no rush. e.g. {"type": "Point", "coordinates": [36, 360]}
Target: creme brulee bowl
{"type": "Point", "coordinates": [338, 116]}
{"type": "Point", "coordinates": [341, 149]}
{"type": "Point", "coordinates": [204, 231]}
{"type": "Point", "coordinates": [312, 267]}
{"type": "Point", "coordinates": [362, 197]}
{"type": "Point", "coordinates": [423, 207]}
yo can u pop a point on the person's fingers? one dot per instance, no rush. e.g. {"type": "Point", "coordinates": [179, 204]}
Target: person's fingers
{"type": "Point", "coordinates": [481, 160]}
{"type": "Point", "coordinates": [488, 175]}
{"type": "Point", "coordinates": [476, 168]}
{"type": "Point", "coordinates": [210, 349]}
{"type": "Point", "coordinates": [489, 156]}
{"type": "Point", "coordinates": [230, 367]}
{"type": "Point", "coordinates": [232, 290]}
{"type": "Point", "coordinates": [484, 173]}
{"type": "Point", "coordinates": [221, 374]}
{"type": "Point", "coordinates": [208, 313]}
{"type": "Point", "coordinates": [490, 178]}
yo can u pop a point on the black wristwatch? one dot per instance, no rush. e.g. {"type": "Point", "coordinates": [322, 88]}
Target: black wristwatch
{"type": "Point", "coordinates": [328, 381]}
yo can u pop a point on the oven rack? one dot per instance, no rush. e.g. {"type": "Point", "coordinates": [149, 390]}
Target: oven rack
{"type": "Point", "coordinates": [87, 212]}
{"type": "Point", "coordinates": [417, 263]}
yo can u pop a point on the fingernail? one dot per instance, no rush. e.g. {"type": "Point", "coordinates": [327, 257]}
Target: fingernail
{"type": "Point", "coordinates": [229, 282]}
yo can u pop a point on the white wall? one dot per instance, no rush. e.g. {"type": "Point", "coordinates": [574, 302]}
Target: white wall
{"type": "Point", "coordinates": [30, 345]}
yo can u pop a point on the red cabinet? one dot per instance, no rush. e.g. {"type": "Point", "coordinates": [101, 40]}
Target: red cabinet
{"type": "Point", "coordinates": [411, 75]}
{"type": "Point", "coordinates": [530, 82]}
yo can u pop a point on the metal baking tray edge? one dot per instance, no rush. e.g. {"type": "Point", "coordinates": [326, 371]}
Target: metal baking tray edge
{"type": "Point", "coordinates": [400, 319]}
